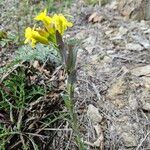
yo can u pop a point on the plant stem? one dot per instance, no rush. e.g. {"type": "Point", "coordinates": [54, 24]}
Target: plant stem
{"type": "Point", "coordinates": [73, 116]}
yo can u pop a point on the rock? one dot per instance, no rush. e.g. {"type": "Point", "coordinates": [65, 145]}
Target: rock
{"type": "Point", "coordinates": [141, 71]}
{"type": "Point", "coordinates": [99, 142]}
{"type": "Point", "coordinates": [134, 47]}
{"type": "Point", "coordinates": [147, 31]}
{"type": "Point", "coordinates": [94, 114]}
{"type": "Point", "coordinates": [119, 103]}
{"type": "Point", "coordinates": [122, 31]}
{"type": "Point", "coordinates": [36, 64]}
{"type": "Point", "coordinates": [127, 130]}
{"type": "Point", "coordinates": [95, 17]}
{"type": "Point", "coordinates": [96, 118]}
{"type": "Point", "coordinates": [117, 88]}
{"type": "Point", "coordinates": [146, 81]}
{"type": "Point", "coordinates": [109, 32]}
{"type": "Point", "coordinates": [141, 40]}
{"type": "Point", "coordinates": [89, 43]}
{"type": "Point", "coordinates": [146, 106]}
{"type": "Point", "coordinates": [129, 139]}
{"type": "Point", "coordinates": [116, 93]}
{"type": "Point", "coordinates": [133, 102]}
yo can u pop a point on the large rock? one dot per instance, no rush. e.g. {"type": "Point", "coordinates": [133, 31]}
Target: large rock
{"type": "Point", "coordinates": [135, 9]}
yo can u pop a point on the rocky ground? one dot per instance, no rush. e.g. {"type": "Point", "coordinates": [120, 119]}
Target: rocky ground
{"type": "Point", "coordinates": [113, 87]}
{"type": "Point", "coordinates": [113, 84]}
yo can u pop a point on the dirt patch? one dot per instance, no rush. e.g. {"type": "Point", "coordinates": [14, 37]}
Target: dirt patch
{"type": "Point", "coordinates": [112, 55]}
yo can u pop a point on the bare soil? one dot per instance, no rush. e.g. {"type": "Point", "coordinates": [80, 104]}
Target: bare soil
{"type": "Point", "coordinates": [114, 76]}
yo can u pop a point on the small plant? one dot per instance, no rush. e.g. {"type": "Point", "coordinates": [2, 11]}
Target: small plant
{"type": "Point", "coordinates": [51, 33]}
{"type": "Point", "coordinates": [31, 100]}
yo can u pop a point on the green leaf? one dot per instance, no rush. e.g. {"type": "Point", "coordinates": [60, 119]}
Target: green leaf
{"type": "Point", "coordinates": [3, 43]}
{"type": "Point", "coordinates": [61, 47]}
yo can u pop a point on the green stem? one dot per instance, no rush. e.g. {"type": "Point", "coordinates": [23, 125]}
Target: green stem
{"type": "Point", "coordinates": [69, 61]}
{"type": "Point", "coordinates": [73, 116]}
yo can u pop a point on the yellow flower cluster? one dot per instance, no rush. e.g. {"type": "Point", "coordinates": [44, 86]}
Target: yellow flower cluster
{"type": "Point", "coordinates": [47, 34]}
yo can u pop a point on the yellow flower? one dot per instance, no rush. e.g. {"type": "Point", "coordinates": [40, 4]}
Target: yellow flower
{"type": "Point", "coordinates": [61, 23]}
{"type": "Point", "coordinates": [57, 22]}
{"type": "Point", "coordinates": [44, 18]}
{"type": "Point", "coordinates": [42, 32]}
{"type": "Point", "coordinates": [48, 32]}
{"type": "Point", "coordinates": [34, 36]}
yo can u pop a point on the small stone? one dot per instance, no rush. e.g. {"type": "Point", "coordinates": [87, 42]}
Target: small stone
{"type": "Point", "coordinates": [134, 47]}
{"type": "Point", "coordinates": [94, 114]}
{"type": "Point", "coordinates": [95, 17]}
{"type": "Point", "coordinates": [133, 102]}
{"type": "Point", "coordinates": [108, 32]}
{"type": "Point", "coordinates": [122, 31]}
{"type": "Point", "coordinates": [129, 139]}
{"type": "Point", "coordinates": [141, 40]}
{"type": "Point", "coordinates": [146, 82]}
{"type": "Point", "coordinates": [36, 64]}
{"type": "Point", "coordinates": [117, 88]}
{"type": "Point", "coordinates": [89, 43]}
{"type": "Point", "coordinates": [141, 71]}
{"type": "Point", "coordinates": [119, 103]}
{"type": "Point", "coordinates": [146, 106]}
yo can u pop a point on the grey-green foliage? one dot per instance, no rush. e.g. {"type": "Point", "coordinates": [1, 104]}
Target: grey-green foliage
{"type": "Point", "coordinates": [40, 52]}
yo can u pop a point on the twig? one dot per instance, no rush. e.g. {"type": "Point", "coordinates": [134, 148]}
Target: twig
{"type": "Point", "coordinates": [55, 129]}
{"type": "Point", "coordinates": [17, 143]}
{"type": "Point", "coordinates": [38, 135]}
{"type": "Point", "coordinates": [67, 147]}
{"type": "Point", "coordinates": [96, 91]}
{"type": "Point", "coordinates": [142, 141]}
